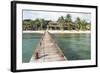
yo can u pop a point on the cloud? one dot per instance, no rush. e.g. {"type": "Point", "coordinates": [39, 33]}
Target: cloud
{"type": "Point", "coordinates": [53, 15]}
{"type": "Point", "coordinates": [83, 16]}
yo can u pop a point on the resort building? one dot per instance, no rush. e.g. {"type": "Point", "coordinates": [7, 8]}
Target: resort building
{"type": "Point", "coordinates": [59, 26]}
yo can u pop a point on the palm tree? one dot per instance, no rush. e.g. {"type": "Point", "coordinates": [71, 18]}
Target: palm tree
{"type": "Point", "coordinates": [68, 21]}
{"type": "Point", "coordinates": [78, 23]}
{"type": "Point", "coordinates": [27, 24]}
{"type": "Point", "coordinates": [42, 23]}
{"type": "Point", "coordinates": [84, 24]}
{"type": "Point", "coordinates": [61, 22]}
{"type": "Point", "coordinates": [81, 24]}
{"type": "Point", "coordinates": [37, 23]}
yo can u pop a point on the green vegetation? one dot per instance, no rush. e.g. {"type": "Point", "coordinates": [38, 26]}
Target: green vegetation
{"type": "Point", "coordinates": [63, 23]}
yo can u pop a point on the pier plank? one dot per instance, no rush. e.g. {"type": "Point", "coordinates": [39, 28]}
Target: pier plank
{"type": "Point", "coordinates": [47, 50]}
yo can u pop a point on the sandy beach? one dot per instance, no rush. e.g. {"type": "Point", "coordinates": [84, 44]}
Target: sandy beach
{"type": "Point", "coordinates": [57, 31]}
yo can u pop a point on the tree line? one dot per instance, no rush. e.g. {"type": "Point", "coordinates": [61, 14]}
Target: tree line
{"type": "Point", "coordinates": [65, 23]}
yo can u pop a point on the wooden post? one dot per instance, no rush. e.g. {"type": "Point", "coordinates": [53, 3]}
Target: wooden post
{"type": "Point", "coordinates": [37, 55]}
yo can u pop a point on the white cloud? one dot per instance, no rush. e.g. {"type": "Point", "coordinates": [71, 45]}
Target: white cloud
{"type": "Point", "coordinates": [53, 15]}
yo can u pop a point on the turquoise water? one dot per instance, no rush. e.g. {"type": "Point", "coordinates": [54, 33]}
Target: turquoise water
{"type": "Point", "coordinates": [74, 46]}
{"type": "Point", "coordinates": [29, 43]}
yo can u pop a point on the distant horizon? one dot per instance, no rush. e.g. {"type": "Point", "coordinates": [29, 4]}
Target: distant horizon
{"type": "Point", "coordinates": [51, 15]}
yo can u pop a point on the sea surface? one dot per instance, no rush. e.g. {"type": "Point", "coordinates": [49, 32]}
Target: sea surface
{"type": "Point", "coordinates": [74, 46]}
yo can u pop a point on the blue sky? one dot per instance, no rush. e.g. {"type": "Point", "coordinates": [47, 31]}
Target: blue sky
{"type": "Point", "coordinates": [54, 15]}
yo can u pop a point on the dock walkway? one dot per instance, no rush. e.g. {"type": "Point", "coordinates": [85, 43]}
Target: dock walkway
{"type": "Point", "coordinates": [47, 50]}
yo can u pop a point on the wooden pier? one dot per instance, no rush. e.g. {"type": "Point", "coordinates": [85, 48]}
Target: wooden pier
{"type": "Point", "coordinates": [47, 50]}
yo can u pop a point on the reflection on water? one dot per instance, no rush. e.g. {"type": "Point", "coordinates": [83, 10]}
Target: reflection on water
{"type": "Point", "coordinates": [74, 46]}
{"type": "Point", "coordinates": [29, 43]}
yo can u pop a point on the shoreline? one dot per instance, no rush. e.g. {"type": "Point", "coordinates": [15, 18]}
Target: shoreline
{"type": "Point", "coordinates": [57, 31]}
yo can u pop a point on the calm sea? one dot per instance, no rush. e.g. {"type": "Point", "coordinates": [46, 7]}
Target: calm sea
{"type": "Point", "coordinates": [74, 46]}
